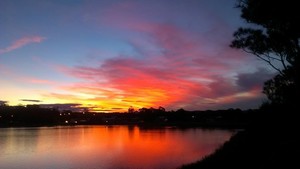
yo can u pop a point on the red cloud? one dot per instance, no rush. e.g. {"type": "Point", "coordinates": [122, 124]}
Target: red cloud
{"type": "Point", "coordinates": [176, 69]}
{"type": "Point", "coordinates": [22, 42]}
{"type": "Point", "coordinates": [183, 75]}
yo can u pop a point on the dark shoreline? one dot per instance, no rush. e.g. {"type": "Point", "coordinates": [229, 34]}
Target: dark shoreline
{"type": "Point", "coordinates": [269, 142]}
{"type": "Point", "coordinates": [142, 126]}
{"type": "Point", "coordinates": [34, 116]}
{"type": "Point", "coordinates": [245, 150]}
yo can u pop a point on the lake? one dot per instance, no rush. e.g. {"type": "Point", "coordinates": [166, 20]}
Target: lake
{"type": "Point", "coordinates": [105, 147]}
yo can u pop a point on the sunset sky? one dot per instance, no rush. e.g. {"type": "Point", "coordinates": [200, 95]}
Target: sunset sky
{"type": "Point", "coordinates": [109, 55]}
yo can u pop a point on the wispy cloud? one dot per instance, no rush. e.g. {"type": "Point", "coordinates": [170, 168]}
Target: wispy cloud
{"type": "Point", "coordinates": [22, 42]}
{"type": "Point", "coordinates": [38, 81]}
{"type": "Point", "coordinates": [183, 74]}
{"type": "Point", "coordinates": [171, 67]}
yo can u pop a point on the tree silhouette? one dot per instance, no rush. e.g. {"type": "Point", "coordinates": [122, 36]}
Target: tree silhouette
{"type": "Point", "coordinates": [281, 90]}
{"type": "Point", "coordinates": [274, 38]}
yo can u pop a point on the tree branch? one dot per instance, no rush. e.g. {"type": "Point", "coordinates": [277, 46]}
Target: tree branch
{"type": "Point", "coordinates": [282, 61]}
{"type": "Point", "coordinates": [266, 60]}
{"type": "Point", "coordinates": [268, 56]}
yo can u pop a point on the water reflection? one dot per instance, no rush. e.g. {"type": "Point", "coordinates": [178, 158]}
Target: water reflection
{"type": "Point", "coordinates": [102, 147]}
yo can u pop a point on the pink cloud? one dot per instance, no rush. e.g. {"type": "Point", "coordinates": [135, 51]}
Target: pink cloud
{"type": "Point", "coordinates": [176, 69]}
{"type": "Point", "coordinates": [181, 76]}
{"type": "Point", "coordinates": [22, 42]}
{"type": "Point", "coordinates": [39, 81]}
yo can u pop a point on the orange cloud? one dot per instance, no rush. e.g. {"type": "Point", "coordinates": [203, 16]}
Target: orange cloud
{"type": "Point", "coordinates": [171, 68]}
{"type": "Point", "coordinates": [34, 80]}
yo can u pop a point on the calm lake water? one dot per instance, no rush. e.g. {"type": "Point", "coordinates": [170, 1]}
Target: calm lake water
{"type": "Point", "coordinates": [105, 147]}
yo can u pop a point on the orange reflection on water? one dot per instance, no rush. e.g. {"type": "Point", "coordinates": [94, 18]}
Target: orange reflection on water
{"type": "Point", "coordinates": [107, 147]}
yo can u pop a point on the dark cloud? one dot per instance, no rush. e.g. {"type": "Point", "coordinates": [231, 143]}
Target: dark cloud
{"type": "Point", "coordinates": [116, 108]}
{"type": "Point", "coordinates": [248, 81]}
{"type": "Point", "coordinates": [30, 100]}
{"type": "Point", "coordinates": [221, 87]}
{"type": "Point", "coordinates": [2, 102]}
{"type": "Point", "coordinates": [244, 104]}
{"type": "Point", "coordinates": [63, 106]}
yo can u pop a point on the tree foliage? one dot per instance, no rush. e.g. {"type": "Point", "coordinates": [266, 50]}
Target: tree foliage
{"type": "Point", "coordinates": [274, 38]}
{"type": "Point", "coordinates": [281, 89]}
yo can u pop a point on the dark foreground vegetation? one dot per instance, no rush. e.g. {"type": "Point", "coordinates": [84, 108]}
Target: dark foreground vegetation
{"type": "Point", "coordinates": [33, 115]}
{"type": "Point", "coordinates": [271, 141]}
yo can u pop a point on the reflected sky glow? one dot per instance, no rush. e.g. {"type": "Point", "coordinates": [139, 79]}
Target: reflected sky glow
{"type": "Point", "coordinates": [104, 147]}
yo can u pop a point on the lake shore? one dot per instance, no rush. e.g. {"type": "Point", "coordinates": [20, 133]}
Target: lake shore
{"type": "Point", "coordinates": [271, 145]}
{"type": "Point", "coordinates": [20, 116]}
